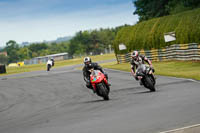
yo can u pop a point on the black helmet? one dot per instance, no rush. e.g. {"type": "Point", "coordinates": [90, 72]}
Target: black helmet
{"type": "Point", "coordinates": [87, 60]}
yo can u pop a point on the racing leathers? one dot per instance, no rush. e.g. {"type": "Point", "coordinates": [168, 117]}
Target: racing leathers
{"type": "Point", "coordinates": [141, 59]}
{"type": "Point", "coordinates": [50, 62]}
{"type": "Point", "coordinates": [86, 72]}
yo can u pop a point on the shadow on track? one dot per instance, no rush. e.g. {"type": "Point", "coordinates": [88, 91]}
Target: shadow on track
{"type": "Point", "coordinates": [94, 101]}
{"type": "Point", "coordinates": [143, 92]}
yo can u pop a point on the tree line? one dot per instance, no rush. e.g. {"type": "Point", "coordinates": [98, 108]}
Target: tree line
{"type": "Point", "coordinates": [83, 43]}
{"type": "Point", "coordinates": [148, 9]}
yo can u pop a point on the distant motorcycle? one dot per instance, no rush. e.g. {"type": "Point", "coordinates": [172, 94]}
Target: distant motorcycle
{"type": "Point", "coordinates": [99, 84]}
{"type": "Point", "coordinates": [50, 63]}
{"type": "Point", "coordinates": [145, 74]}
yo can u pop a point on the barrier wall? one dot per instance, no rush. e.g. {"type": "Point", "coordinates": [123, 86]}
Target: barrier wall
{"type": "Point", "coordinates": [2, 68]}
{"type": "Point", "coordinates": [174, 52]}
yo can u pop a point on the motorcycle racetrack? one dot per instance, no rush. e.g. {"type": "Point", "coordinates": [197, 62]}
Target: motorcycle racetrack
{"type": "Point", "coordinates": [58, 102]}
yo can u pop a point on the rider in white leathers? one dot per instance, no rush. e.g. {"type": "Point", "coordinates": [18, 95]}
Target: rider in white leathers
{"type": "Point", "coordinates": [51, 63]}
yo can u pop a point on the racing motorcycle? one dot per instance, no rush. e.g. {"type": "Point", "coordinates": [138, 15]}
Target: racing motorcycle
{"type": "Point", "coordinates": [145, 74]}
{"type": "Point", "coordinates": [99, 84]}
{"type": "Point", "coordinates": [50, 63]}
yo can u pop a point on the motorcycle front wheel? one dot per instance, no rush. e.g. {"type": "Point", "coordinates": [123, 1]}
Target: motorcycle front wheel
{"type": "Point", "coordinates": [48, 67]}
{"type": "Point", "coordinates": [149, 83]}
{"type": "Point", "coordinates": [103, 91]}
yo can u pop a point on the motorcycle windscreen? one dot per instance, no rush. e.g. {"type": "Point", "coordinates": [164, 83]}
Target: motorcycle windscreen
{"type": "Point", "coordinates": [95, 76]}
{"type": "Point", "coordinates": [141, 70]}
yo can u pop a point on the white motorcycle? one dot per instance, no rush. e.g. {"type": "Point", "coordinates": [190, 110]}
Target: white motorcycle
{"type": "Point", "coordinates": [50, 63]}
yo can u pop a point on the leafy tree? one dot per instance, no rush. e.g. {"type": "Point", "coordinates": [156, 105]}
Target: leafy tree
{"type": "Point", "coordinates": [3, 59]}
{"type": "Point", "coordinates": [12, 50]}
{"type": "Point", "coordinates": [35, 47]}
{"type": "Point", "coordinates": [148, 9]}
{"type": "Point", "coordinates": [83, 43]}
{"type": "Point", "coordinates": [176, 6]}
{"type": "Point", "coordinates": [38, 49]}
{"type": "Point", "coordinates": [24, 53]}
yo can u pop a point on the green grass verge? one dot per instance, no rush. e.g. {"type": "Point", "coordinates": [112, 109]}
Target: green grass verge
{"type": "Point", "coordinates": [182, 69]}
{"type": "Point", "coordinates": [29, 68]}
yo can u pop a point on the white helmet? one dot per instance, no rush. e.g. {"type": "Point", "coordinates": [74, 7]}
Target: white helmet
{"type": "Point", "coordinates": [87, 59]}
{"type": "Point", "coordinates": [135, 54]}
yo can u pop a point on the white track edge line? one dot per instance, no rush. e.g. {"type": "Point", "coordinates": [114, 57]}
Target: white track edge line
{"type": "Point", "coordinates": [178, 129]}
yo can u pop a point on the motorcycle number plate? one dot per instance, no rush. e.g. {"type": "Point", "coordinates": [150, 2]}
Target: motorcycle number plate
{"type": "Point", "coordinates": [94, 79]}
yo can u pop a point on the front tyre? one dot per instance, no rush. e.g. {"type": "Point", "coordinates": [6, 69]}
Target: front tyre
{"type": "Point", "coordinates": [103, 91]}
{"type": "Point", "coordinates": [150, 83]}
{"type": "Point", "coordinates": [48, 67]}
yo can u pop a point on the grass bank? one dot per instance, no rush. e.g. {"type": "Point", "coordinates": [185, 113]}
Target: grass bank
{"type": "Point", "coordinates": [150, 34]}
{"type": "Point", "coordinates": [182, 69]}
{"type": "Point", "coordinates": [36, 67]}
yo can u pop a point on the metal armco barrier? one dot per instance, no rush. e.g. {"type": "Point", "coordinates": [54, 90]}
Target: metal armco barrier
{"type": "Point", "coordinates": [124, 58]}
{"type": "Point", "coordinates": [174, 52]}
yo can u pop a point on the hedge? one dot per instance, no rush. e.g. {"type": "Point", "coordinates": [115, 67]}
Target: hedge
{"type": "Point", "coordinates": [150, 34]}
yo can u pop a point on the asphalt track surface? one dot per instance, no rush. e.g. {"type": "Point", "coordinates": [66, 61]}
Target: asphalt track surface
{"type": "Point", "coordinates": [58, 102]}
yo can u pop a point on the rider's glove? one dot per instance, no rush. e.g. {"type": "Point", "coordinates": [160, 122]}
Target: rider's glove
{"type": "Point", "coordinates": [134, 75]}
{"type": "Point", "coordinates": [136, 78]}
{"type": "Point", "coordinates": [153, 70]}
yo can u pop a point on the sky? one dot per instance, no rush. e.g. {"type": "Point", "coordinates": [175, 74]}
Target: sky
{"type": "Point", "coordinates": [39, 20]}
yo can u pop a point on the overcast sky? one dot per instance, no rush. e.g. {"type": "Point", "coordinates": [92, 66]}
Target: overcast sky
{"type": "Point", "coordinates": [39, 20]}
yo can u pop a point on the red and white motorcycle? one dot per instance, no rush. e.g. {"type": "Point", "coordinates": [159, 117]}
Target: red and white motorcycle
{"type": "Point", "coordinates": [99, 84]}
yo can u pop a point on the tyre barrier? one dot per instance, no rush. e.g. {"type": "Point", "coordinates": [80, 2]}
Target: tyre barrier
{"type": "Point", "coordinates": [174, 52]}
{"type": "Point", "coordinates": [2, 68]}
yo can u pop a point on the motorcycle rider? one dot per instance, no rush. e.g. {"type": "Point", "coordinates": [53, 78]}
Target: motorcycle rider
{"type": "Point", "coordinates": [50, 62]}
{"type": "Point", "coordinates": [88, 64]}
{"type": "Point", "coordinates": [136, 60]}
